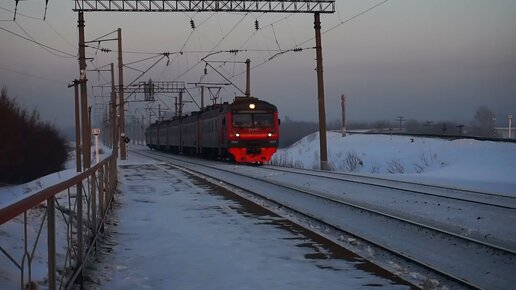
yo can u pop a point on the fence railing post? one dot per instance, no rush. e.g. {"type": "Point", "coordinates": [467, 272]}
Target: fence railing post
{"type": "Point", "coordinates": [101, 183]}
{"type": "Point", "coordinates": [80, 249]}
{"type": "Point", "coordinates": [94, 188]}
{"type": "Point", "coordinates": [94, 204]}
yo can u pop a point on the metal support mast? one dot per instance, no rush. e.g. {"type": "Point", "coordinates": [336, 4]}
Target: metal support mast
{"type": "Point", "coordinates": [320, 93]}
{"type": "Point", "coordinates": [121, 112]}
{"type": "Point", "coordinates": [248, 78]}
{"type": "Point", "coordinates": [114, 120]}
{"type": "Point", "coordinates": [281, 6]}
{"type": "Point", "coordinates": [86, 137]}
{"type": "Point", "coordinates": [278, 6]}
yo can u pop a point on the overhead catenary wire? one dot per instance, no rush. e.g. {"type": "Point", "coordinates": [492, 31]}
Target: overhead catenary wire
{"type": "Point", "coordinates": [39, 43]}
{"type": "Point", "coordinates": [342, 22]}
{"type": "Point", "coordinates": [347, 20]}
{"type": "Point", "coordinates": [32, 76]}
{"type": "Point", "coordinates": [39, 19]}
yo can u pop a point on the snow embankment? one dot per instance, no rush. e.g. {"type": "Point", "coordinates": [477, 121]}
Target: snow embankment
{"type": "Point", "coordinates": [465, 163]}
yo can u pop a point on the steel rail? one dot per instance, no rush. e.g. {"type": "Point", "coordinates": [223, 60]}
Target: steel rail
{"type": "Point", "coordinates": [341, 202]}
{"type": "Point", "coordinates": [337, 200]}
{"type": "Point", "coordinates": [332, 225]}
{"type": "Point", "coordinates": [337, 176]}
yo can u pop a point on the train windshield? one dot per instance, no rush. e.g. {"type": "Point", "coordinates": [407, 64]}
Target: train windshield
{"type": "Point", "coordinates": [264, 120]}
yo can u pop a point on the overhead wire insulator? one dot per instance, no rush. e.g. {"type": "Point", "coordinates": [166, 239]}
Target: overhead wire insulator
{"type": "Point", "coordinates": [256, 24]}
{"type": "Point", "coordinates": [192, 23]}
{"type": "Point", "coordinates": [297, 49]}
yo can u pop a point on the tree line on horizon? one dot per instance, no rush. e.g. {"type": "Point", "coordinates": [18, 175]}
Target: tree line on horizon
{"type": "Point", "coordinates": [29, 147]}
{"type": "Point", "coordinates": [483, 125]}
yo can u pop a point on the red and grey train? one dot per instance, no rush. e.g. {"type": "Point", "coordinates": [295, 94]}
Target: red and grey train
{"type": "Point", "coordinates": [245, 131]}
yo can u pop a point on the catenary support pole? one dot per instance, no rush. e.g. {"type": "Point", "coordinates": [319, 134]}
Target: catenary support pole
{"type": "Point", "coordinates": [86, 130]}
{"type": "Point", "coordinates": [78, 158]}
{"type": "Point", "coordinates": [114, 119]}
{"type": "Point", "coordinates": [202, 98]}
{"type": "Point", "coordinates": [320, 93]}
{"type": "Point", "coordinates": [248, 78]}
{"type": "Point", "coordinates": [343, 103]}
{"type": "Point", "coordinates": [510, 125]}
{"type": "Point", "coordinates": [123, 153]}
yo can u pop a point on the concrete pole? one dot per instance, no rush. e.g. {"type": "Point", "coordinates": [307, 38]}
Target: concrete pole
{"type": "Point", "coordinates": [202, 98]}
{"type": "Point", "coordinates": [320, 93]}
{"type": "Point", "coordinates": [113, 112]}
{"type": "Point", "coordinates": [143, 130]}
{"type": "Point", "coordinates": [77, 128]}
{"type": "Point", "coordinates": [510, 125]}
{"type": "Point", "coordinates": [123, 153]}
{"type": "Point", "coordinates": [343, 102]}
{"type": "Point", "coordinates": [248, 78]}
{"type": "Point", "coordinates": [86, 130]}
{"type": "Point", "coordinates": [181, 104]}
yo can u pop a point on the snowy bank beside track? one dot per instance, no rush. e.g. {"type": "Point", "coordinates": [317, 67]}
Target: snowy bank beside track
{"type": "Point", "coordinates": [465, 163]}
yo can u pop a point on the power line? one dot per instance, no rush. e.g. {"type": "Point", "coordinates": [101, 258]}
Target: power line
{"type": "Point", "coordinates": [20, 14]}
{"type": "Point", "coordinates": [31, 75]}
{"type": "Point", "coordinates": [348, 20]}
{"type": "Point", "coordinates": [330, 29]}
{"type": "Point", "coordinates": [32, 38]}
{"type": "Point", "coordinates": [39, 43]}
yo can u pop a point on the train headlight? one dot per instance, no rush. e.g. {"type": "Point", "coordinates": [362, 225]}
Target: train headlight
{"type": "Point", "coordinates": [237, 134]}
{"type": "Point", "coordinates": [270, 134]}
{"type": "Point", "coordinates": [252, 106]}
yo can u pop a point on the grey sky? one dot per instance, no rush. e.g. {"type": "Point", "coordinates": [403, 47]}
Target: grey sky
{"type": "Point", "coordinates": [429, 60]}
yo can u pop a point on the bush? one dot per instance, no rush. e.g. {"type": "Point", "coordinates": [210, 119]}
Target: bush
{"type": "Point", "coordinates": [29, 148]}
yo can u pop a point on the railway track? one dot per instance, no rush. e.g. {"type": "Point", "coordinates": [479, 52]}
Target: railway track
{"type": "Point", "coordinates": [462, 260]}
{"type": "Point", "coordinates": [472, 196]}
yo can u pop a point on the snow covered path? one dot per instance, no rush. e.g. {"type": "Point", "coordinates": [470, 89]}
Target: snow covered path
{"type": "Point", "coordinates": [170, 231]}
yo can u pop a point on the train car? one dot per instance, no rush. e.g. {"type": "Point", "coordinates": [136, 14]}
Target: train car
{"type": "Point", "coordinates": [252, 130]}
{"type": "Point", "coordinates": [245, 131]}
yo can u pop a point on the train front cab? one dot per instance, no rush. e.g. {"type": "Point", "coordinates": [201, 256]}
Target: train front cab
{"type": "Point", "coordinates": [253, 131]}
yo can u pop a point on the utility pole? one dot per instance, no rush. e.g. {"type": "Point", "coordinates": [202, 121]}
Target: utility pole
{"type": "Point", "coordinates": [510, 125]}
{"type": "Point", "coordinates": [86, 130]}
{"type": "Point", "coordinates": [400, 119]}
{"type": "Point", "coordinates": [113, 112]}
{"type": "Point", "coordinates": [180, 111]}
{"type": "Point", "coordinates": [78, 159]}
{"type": "Point", "coordinates": [143, 129]}
{"type": "Point", "coordinates": [343, 103]}
{"type": "Point", "coordinates": [202, 98]}
{"type": "Point", "coordinates": [320, 93]}
{"type": "Point", "coordinates": [248, 78]}
{"type": "Point", "coordinates": [121, 112]}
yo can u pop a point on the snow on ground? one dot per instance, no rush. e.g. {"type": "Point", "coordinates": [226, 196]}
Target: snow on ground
{"type": "Point", "coordinates": [170, 231]}
{"type": "Point", "coordinates": [466, 163]}
{"type": "Point", "coordinates": [196, 226]}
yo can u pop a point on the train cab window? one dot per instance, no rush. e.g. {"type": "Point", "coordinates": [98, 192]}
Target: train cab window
{"type": "Point", "coordinates": [263, 120]}
{"type": "Point", "coordinates": [242, 120]}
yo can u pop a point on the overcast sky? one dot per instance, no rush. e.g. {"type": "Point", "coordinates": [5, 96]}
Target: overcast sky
{"type": "Point", "coordinates": [427, 60]}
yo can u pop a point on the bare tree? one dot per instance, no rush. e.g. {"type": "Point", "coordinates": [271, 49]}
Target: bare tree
{"type": "Point", "coordinates": [484, 122]}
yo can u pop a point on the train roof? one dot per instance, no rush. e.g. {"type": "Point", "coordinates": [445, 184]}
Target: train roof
{"type": "Point", "coordinates": [239, 103]}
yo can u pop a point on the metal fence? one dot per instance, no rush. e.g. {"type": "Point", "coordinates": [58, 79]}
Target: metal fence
{"type": "Point", "coordinates": [72, 214]}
